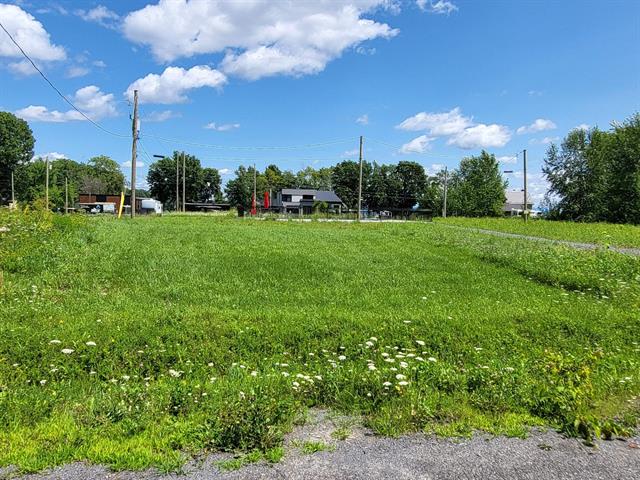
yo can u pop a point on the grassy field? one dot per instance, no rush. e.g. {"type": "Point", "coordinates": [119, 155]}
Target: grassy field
{"type": "Point", "coordinates": [139, 343]}
{"type": "Point", "coordinates": [599, 233]}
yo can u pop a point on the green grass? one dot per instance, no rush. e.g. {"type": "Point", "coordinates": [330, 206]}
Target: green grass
{"type": "Point", "coordinates": [599, 233]}
{"type": "Point", "coordinates": [215, 334]}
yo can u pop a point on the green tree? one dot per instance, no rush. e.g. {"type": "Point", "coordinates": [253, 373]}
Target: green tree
{"type": "Point", "coordinates": [476, 188]}
{"type": "Point", "coordinates": [162, 179]}
{"type": "Point", "coordinates": [212, 185]}
{"type": "Point", "coordinates": [16, 148]}
{"type": "Point", "coordinates": [107, 171]}
{"type": "Point", "coordinates": [623, 172]}
{"type": "Point", "coordinates": [409, 181]}
{"type": "Point", "coordinates": [345, 179]}
{"type": "Point", "coordinates": [239, 190]}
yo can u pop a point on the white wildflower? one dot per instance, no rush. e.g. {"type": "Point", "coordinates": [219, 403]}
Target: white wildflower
{"type": "Point", "coordinates": [431, 359]}
{"type": "Point", "coordinates": [42, 382]}
{"type": "Point", "coordinates": [55, 342]}
{"type": "Point", "coordinates": [420, 342]}
{"type": "Point", "coordinates": [403, 383]}
{"type": "Point", "coordinates": [254, 374]}
{"type": "Point", "coordinates": [404, 364]}
{"type": "Point", "coordinates": [174, 373]}
{"type": "Point", "coordinates": [67, 351]}
{"type": "Point", "coordinates": [372, 367]}
{"type": "Point", "coordinates": [90, 344]}
{"type": "Point", "coordinates": [342, 358]}
{"type": "Point", "coordinates": [400, 376]}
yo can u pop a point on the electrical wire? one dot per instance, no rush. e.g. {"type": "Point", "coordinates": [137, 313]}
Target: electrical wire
{"type": "Point", "coordinates": [262, 147]}
{"type": "Point", "coordinates": [56, 88]}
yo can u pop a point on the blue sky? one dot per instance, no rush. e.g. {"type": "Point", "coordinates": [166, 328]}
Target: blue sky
{"type": "Point", "coordinates": [428, 81]}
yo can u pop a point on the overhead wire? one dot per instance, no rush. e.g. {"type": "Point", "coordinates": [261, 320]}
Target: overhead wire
{"type": "Point", "coordinates": [96, 124]}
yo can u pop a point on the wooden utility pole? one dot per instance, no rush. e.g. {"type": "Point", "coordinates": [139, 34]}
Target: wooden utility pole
{"type": "Point", "coordinates": [255, 188]}
{"type": "Point", "coordinates": [184, 180]}
{"type": "Point", "coordinates": [66, 195]}
{"type": "Point", "coordinates": [46, 183]}
{"type": "Point", "coordinates": [360, 183]}
{"type": "Point", "coordinates": [177, 183]}
{"type": "Point", "coordinates": [444, 205]}
{"type": "Point", "coordinates": [134, 130]}
{"type": "Point", "coordinates": [13, 190]}
{"type": "Point", "coordinates": [525, 210]}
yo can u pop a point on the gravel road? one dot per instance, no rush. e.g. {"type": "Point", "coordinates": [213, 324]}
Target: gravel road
{"type": "Point", "coordinates": [541, 456]}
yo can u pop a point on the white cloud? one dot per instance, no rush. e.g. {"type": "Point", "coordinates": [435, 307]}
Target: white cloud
{"type": "Point", "coordinates": [508, 159]}
{"type": "Point", "coordinates": [22, 67]}
{"type": "Point", "coordinates": [139, 164]}
{"type": "Point", "coordinates": [351, 153]}
{"type": "Point", "coordinates": [363, 119]}
{"type": "Point", "coordinates": [418, 145]}
{"type": "Point", "coordinates": [28, 33]}
{"type": "Point", "coordinates": [539, 125]}
{"type": "Point", "coordinates": [225, 171]}
{"type": "Point", "coordinates": [441, 7]}
{"type": "Point", "coordinates": [50, 156]}
{"type": "Point", "coordinates": [461, 130]}
{"type": "Point", "coordinates": [582, 126]}
{"type": "Point", "coordinates": [77, 71]}
{"type": "Point", "coordinates": [544, 141]}
{"type": "Point", "coordinates": [90, 100]}
{"type": "Point", "coordinates": [437, 124]}
{"type": "Point", "coordinates": [171, 86]}
{"type": "Point", "coordinates": [225, 127]}
{"type": "Point", "coordinates": [162, 116]}
{"type": "Point", "coordinates": [100, 14]}
{"type": "Point", "coordinates": [481, 136]}
{"type": "Point", "coordinates": [259, 38]}
{"type": "Point", "coordinates": [534, 93]}
{"type": "Point", "coordinates": [99, 63]}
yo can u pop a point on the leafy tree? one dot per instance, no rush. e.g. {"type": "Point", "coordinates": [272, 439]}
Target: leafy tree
{"type": "Point", "coordinates": [345, 179]}
{"type": "Point", "coordinates": [107, 172]}
{"type": "Point", "coordinates": [476, 188]}
{"type": "Point", "coordinates": [212, 185]}
{"type": "Point", "coordinates": [16, 148]}
{"type": "Point", "coordinates": [239, 190]}
{"type": "Point", "coordinates": [433, 195]}
{"type": "Point", "coordinates": [162, 179]}
{"type": "Point", "coordinates": [409, 182]}
{"type": "Point", "coordinates": [623, 152]}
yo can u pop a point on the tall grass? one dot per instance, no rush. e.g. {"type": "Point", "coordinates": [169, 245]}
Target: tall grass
{"type": "Point", "coordinates": [139, 343]}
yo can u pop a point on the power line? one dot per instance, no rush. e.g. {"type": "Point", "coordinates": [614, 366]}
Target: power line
{"type": "Point", "coordinates": [261, 147]}
{"type": "Point", "coordinates": [56, 88]}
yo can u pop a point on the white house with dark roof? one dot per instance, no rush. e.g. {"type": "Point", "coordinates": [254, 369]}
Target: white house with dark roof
{"type": "Point", "coordinates": [304, 200]}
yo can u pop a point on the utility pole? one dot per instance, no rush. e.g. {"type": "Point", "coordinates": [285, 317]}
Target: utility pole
{"type": "Point", "coordinates": [525, 211]}
{"type": "Point", "coordinates": [254, 203]}
{"type": "Point", "coordinates": [13, 191]}
{"type": "Point", "coordinates": [66, 195]}
{"type": "Point", "coordinates": [360, 183]}
{"type": "Point", "coordinates": [177, 183]}
{"type": "Point", "coordinates": [184, 180]}
{"type": "Point", "coordinates": [46, 182]}
{"type": "Point", "coordinates": [444, 205]}
{"type": "Point", "coordinates": [134, 130]}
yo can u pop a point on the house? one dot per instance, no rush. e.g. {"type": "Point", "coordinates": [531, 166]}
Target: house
{"type": "Point", "coordinates": [306, 201]}
{"type": "Point", "coordinates": [515, 202]}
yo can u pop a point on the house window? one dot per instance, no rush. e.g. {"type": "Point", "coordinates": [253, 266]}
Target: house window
{"type": "Point", "coordinates": [307, 197]}
{"type": "Point", "coordinates": [286, 198]}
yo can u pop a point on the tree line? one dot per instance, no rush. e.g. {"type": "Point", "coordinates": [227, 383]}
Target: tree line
{"type": "Point", "coordinates": [594, 175]}
{"type": "Point", "coordinates": [476, 188]}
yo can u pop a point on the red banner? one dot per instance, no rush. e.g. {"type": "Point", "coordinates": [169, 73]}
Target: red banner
{"type": "Point", "coordinates": [266, 200]}
{"type": "Point", "coordinates": [254, 210]}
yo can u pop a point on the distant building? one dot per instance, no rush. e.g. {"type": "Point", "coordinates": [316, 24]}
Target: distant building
{"type": "Point", "coordinates": [304, 200]}
{"type": "Point", "coordinates": [515, 202]}
{"type": "Point", "coordinates": [111, 204]}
